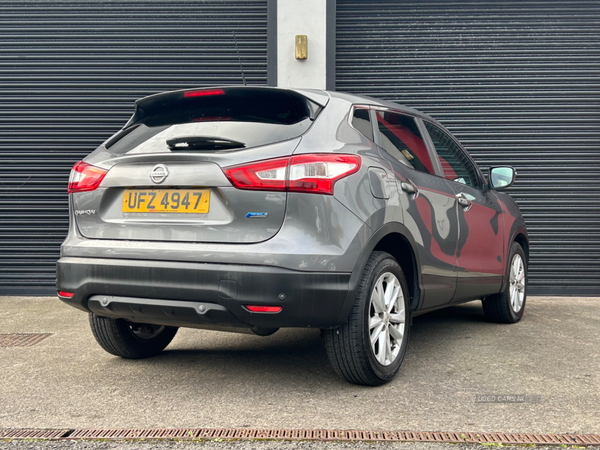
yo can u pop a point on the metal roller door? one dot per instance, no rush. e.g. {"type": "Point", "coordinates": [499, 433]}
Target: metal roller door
{"type": "Point", "coordinates": [69, 73]}
{"type": "Point", "coordinates": [518, 82]}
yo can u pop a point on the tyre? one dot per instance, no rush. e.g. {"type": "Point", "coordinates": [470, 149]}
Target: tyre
{"type": "Point", "coordinates": [130, 340]}
{"type": "Point", "coordinates": [508, 306]}
{"type": "Point", "coordinates": [369, 349]}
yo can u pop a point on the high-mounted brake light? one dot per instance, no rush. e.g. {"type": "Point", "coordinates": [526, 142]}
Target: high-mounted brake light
{"type": "Point", "coordinates": [204, 93]}
{"type": "Point", "coordinates": [265, 309]}
{"type": "Point", "coordinates": [312, 173]}
{"type": "Point", "coordinates": [85, 177]}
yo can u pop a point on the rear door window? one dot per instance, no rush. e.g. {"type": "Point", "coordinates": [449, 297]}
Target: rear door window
{"type": "Point", "coordinates": [400, 137]}
{"type": "Point", "coordinates": [456, 165]}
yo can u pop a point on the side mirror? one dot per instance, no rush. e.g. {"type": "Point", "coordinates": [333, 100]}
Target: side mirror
{"type": "Point", "coordinates": [501, 177]}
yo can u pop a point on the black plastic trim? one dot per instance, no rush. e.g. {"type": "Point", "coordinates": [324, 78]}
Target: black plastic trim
{"type": "Point", "coordinates": [308, 299]}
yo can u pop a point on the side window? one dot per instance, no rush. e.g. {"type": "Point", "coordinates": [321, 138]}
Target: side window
{"type": "Point", "coordinates": [455, 163]}
{"type": "Point", "coordinates": [400, 137]}
{"type": "Point", "coordinates": [362, 121]}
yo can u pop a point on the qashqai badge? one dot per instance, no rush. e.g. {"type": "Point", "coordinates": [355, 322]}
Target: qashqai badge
{"type": "Point", "coordinates": [159, 173]}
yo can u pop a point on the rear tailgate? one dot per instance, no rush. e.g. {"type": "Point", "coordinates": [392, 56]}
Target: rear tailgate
{"type": "Point", "coordinates": [164, 179]}
{"type": "Point", "coordinates": [195, 203]}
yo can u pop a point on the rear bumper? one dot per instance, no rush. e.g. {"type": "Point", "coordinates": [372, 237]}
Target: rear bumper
{"type": "Point", "coordinates": [202, 295]}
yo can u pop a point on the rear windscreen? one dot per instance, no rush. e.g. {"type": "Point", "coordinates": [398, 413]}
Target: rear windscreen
{"type": "Point", "coordinates": [232, 118]}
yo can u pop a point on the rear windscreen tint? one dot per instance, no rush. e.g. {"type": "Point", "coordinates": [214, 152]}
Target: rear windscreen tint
{"type": "Point", "coordinates": [250, 116]}
{"type": "Point", "coordinates": [234, 104]}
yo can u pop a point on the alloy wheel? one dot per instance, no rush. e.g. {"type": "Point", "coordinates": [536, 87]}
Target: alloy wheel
{"type": "Point", "coordinates": [387, 318]}
{"type": "Point", "coordinates": [517, 283]}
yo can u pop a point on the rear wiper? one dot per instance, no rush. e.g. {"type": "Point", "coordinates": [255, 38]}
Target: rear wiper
{"type": "Point", "coordinates": [203, 143]}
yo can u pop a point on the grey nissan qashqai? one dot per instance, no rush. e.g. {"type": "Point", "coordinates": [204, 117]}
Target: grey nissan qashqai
{"type": "Point", "coordinates": [250, 209]}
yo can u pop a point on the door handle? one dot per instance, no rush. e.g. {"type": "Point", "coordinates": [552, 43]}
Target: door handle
{"type": "Point", "coordinates": [409, 187]}
{"type": "Point", "coordinates": [464, 201]}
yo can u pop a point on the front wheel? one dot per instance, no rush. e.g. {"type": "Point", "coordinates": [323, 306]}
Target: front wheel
{"type": "Point", "coordinates": [508, 306]}
{"type": "Point", "coordinates": [369, 349]}
{"type": "Point", "coordinates": [130, 340]}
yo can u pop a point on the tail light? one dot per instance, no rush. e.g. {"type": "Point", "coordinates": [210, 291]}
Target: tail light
{"type": "Point", "coordinates": [85, 177]}
{"type": "Point", "coordinates": [312, 173]}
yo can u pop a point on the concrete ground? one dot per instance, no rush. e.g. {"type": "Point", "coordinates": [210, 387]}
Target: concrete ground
{"type": "Point", "coordinates": [241, 445]}
{"type": "Point", "coordinates": [213, 379]}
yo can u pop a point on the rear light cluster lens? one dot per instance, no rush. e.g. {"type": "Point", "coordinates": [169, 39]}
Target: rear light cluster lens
{"type": "Point", "coordinates": [268, 175]}
{"type": "Point", "coordinates": [312, 173]}
{"type": "Point", "coordinates": [85, 177]}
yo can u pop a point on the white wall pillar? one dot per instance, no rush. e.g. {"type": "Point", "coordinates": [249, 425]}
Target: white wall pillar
{"type": "Point", "coordinates": [307, 17]}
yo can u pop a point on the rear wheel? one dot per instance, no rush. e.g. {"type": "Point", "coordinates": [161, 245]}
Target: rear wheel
{"type": "Point", "coordinates": [508, 306]}
{"type": "Point", "coordinates": [369, 349]}
{"type": "Point", "coordinates": [130, 340]}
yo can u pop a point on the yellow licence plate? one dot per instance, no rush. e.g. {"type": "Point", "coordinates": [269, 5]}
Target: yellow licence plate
{"type": "Point", "coordinates": [166, 200]}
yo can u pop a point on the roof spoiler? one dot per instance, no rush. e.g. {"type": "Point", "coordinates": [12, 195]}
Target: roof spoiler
{"type": "Point", "coordinates": [147, 105]}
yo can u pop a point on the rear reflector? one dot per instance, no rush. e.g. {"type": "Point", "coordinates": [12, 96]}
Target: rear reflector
{"type": "Point", "coordinates": [311, 173]}
{"type": "Point", "coordinates": [264, 309]}
{"type": "Point", "coordinates": [204, 93]}
{"type": "Point", "coordinates": [85, 177]}
{"type": "Point", "coordinates": [66, 294]}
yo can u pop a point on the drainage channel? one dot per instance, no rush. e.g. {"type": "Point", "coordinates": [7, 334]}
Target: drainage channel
{"type": "Point", "coordinates": [22, 339]}
{"type": "Point", "coordinates": [583, 440]}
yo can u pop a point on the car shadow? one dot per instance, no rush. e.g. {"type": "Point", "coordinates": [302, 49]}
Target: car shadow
{"type": "Point", "coordinates": [298, 356]}
{"type": "Point", "coordinates": [288, 357]}
{"type": "Point", "coordinates": [466, 313]}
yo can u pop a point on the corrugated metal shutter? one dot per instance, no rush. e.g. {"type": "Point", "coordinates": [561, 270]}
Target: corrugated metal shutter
{"type": "Point", "coordinates": [69, 73]}
{"type": "Point", "coordinates": [518, 82]}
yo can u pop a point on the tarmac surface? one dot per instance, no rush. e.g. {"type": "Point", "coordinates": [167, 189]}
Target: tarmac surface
{"type": "Point", "coordinates": [212, 379]}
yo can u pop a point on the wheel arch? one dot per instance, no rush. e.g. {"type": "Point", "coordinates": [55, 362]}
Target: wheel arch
{"type": "Point", "coordinates": [518, 235]}
{"type": "Point", "coordinates": [395, 239]}
{"type": "Point", "coordinates": [397, 245]}
{"type": "Point", "coordinates": [522, 240]}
